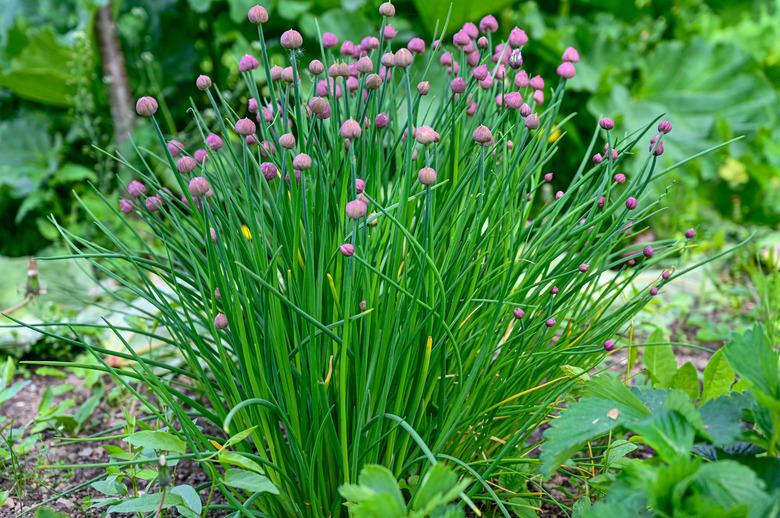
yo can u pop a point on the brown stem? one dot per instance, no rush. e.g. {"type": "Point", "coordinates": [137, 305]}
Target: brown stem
{"type": "Point", "coordinates": [115, 74]}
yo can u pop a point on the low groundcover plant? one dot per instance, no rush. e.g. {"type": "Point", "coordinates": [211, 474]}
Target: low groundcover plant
{"type": "Point", "coordinates": [367, 264]}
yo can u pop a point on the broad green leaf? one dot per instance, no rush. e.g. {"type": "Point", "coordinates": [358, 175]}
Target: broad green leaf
{"type": "Point", "coordinates": [718, 377]}
{"type": "Point", "coordinates": [438, 480]}
{"type": "Point", "coordinates": [7, 375]}
{"type": "Point", "coordinates": [240, 436]}
{"type": "Point", "coordinates": [668, 433]}
{"type": "Point", "coordinates": [147, 503]}
{"type": "Point", "coordinates": [687, 379]}
{"type": "Point", "coordinates": [252, 482]}
{"type": "Point", "coordinates": [29, 155]}
{"type": "Point", "coordinates": [11, 391]}
{"type": "Point", "coordinates": [617, 452]}
{"type": "Point", "coordinates": [731, 484]}
{"type": "Point", "coordinates": [609, 387]}
{"type": "Point", "coordinates": [659, 359]}
{"type": "Point", "coordinates": [381, 480]}
{"type": "Point", "coordinates": [378, 505]}
{"type": "Point", "coordinates": [236, 459]}
{"type": "Point", "coordinates": [110, 486]}
{"type": "Point", "coordinates": [723, 418]}
{"type": "Point", "coordinates": [751, 355]}
{"type": "Point", "coordinates": [190, 497]}
{"type": "Point", "coordinates": [157, 440]}
{"type": "Point", "coordinates": [49, 513]}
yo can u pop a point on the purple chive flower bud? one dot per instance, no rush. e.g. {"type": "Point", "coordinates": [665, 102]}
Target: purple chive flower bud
{"type": "Point", "coordinates": [373, 81]}
{"type": "Point", "coordinates": [381, 120]}
{"type": "Point", "coordinates": [482, 135]}
{"type": "Point", "coordinates": [302, 162]}
{"type": "Point", "coordinates": [609, 345]}
{"type": "Point", "coordinates": [532, 121]}
{"type": "Point", "coordinates": [601, 201]}
{"type": "Point", "coordinates": [518, 313]}
{"type": "Point", "coordinates": [126, 206]}
{"type": "Point", "coordinates": [460, 39]}
{"type": "Point", "coordinates": [369, 43]}
{"type": "Point", "coordinates": [539, 96]}
{"type": "Point", "coordinates": [548, 177]}
{"type": "Point", "coordinates": [664, 127]}
{"type": "Point", "coordinates": [426, 135]}
{"type": "Point", "coordinates": [247, 63]}
{"type": "Point", "coordinates": [186, 164]}
{"type": "Point", "coordinates": [571, 55]}
{"type": "Point", "coordinates": [423, 87]}
{"type": "Point", "coordinates": [203, 82]}
{"type": "Point", "coordinates": [403, 58]}
{"type": "Point", "coordinates": [566, 70]}
{"type": "Point", "coordinates": [146, 106]}
{"type": "Point", "coordinates": [620, 178]}
{"type": "Point", "coordinates": [364, 65]}
{"type": "Point", "coordinates": [245, 127]}
{"type": "Point", "coordinates": [513, 100]}
{"type": "Point", "coordinates": [276, 73]}
{"type": "Point", "coordinates": [217, 294]}
{"type": "Point", "coordinates": [631, 262]}
{"type": "Point", "coordinates": [516, 59]}
{"type": "Point", "coordinates": [153, 203]}
{"type": "Point", "coordinates": [480, 72]}
{"type": "Point", "coordinates": [316, 67]}
{"type": "Point", "coordinates": [356, 209]}
{"type": "Point", "coordinates": [488, 24]}
{"type": "Point", "coordinates": [648, 251]}
{"type": "Point", "coordinates": [653, 291]}
{"type": "Point", "coordinates": [198, 187]}
{"type": "Point", "coordinates": [213, 141]}
{"type": "Point", "coordinates": [200, 155]}
{"type": "Point", "coordinates": [269, 170]}
{"type": "Point", "coordinates": [525, 110]}
{"type": "Point", "coordinates": [136, 189]}
{"type": "Point", "coordinates": [291, 39]}
{"type": "Point", "coordinates": [559, 195]}
{"type": "Point", "coordinates": [597, 158]}
{"type": "Point", "coordinates": [554, 290]}
{"type": "Point", "coordinates": [550, 322]}
{"type": "Point", "coordinates": [257, 15]}
{"type": "Point", "coordinates": [175, 148]}
{"type": "Point", "coordinates": [287, 141]}
{"type": "Point", "coordinates": [347, 249]}
{"type": "Point", "coordinates": [427, 176]}
{"type": "Point", "coordinates": [471, 110]}
{"type": "Point", "coordinates": [387, 10]}
{"type": "Point", "coordinates": [536, 82]}
{"type": "Point", "coordinates": [666, 274]}
{"type": "Point", "coordinates": [350, 129]}
{"type": "Point", "coordinates": [360, 185]}
{"type": "Point", "coordinates": [606, 123]}
{"type": "Point", "coordinates": [458, 85]}
{"type": "Point", "coordinates": [220, 321]}
{"type": "Point", "coordinates": [584, 267]}
{"type": "Point", "coordinates": [470, 29]}
{"type": "Point", "coordinates": [390, 32]}
{"type": "Point", "coordinates": [347, 48]}
{"type": "Point", "coordinates": [329, 40]}
{"type": "Point", "coordinates": [521, 79]}
{"type": "Point", "coordinates": [517, 37]}
{"type": "Point", "coordinates": [416, 45]}
{"type": "Point", "coordinates": [658, 149]}
{"type": "Point", "coordinates": [690, 233]}
{"type": "Point", "coordinates": [631, 203]}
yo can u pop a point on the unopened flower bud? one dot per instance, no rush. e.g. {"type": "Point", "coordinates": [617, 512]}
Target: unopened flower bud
{"type": "Point", "coordinates": [387, 10]}
{"type": "Point", "coordinates": [566, 70]}
{"type": "Point", "coordinates": [247, 63]}
{"type": "Point", "coordinates": [571, 55]}
{"type": "Point", "coordinates": [316, 67]}
{"type": "Point", "coordinates": [356, 209]}
{"type": "Point", "coordinates": [403, 58]}
{"type": "Point", "coordinates": [220, 321]}
{"type": "Point", "coordinates": [347, 249]}
{"type": "Point", "coordinates": [302, 162]}
{"type": "Point", "coordinates": [664, 127]}
{"type": "Point", "coordinates": [350, 129]}
{"type": "Point", "coordinates": [631, 203]}
{"type": "Point", "coordinates": [532, 121]}
{"type": "Point", "coordinates": [198, 187]}
{"type": "Point", "coordinates": [488, 24]}
{"type": "Point", "coordinates": [245, 127]}
{"type": "Point", "coordinates": [606, 123]}
{"type": "Point", "coordinates": [427, 176]}
{"type": "Point", "coordinates": [175, 148]}
{"type": "Point", "coordinates": [287, 141]}
{"type": "Point", "coordinates": [186, 164]}
{"type": "Point", "coordinates": [482, 135]}
{"type": "Point", "coordinates": [291, 39]}
{"type": "Point", "coordinates": [146, 106]}
{"type": "Point", "coordinates": [416, 45]}
{"type": "Point", "coordinates": [257, 15]}
{"type": "Point", "coordinates": [423, 87]}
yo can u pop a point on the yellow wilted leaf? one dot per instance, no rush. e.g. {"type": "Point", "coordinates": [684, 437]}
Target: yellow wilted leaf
{"type": "Point", "coordinates": [247, 233]}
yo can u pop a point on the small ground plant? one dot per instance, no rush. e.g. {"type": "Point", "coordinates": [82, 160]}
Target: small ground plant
{"type": "Point", "coordinates": [365, 264]}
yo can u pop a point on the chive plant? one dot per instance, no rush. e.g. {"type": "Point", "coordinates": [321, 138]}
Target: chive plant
{"type": "Point", "coordinates": [367, 264]}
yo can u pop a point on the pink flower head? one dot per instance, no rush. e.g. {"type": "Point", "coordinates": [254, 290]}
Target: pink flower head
{"type": "Point", "coordinates": [516, 59]}
{"type": "Point", "coordinates": [690, 233]}
{"type": "Point", "coordinates": [472, 58]}
{"type": "Point", "coordinates": [607, 124]}
{"type": "Point", "coordinates": [257, 15]}
{"type": "Point", "coordinates": [426, 135]}
{"type": "Point", "coordinates": [631, 203]}
{"type": "Point", "coordinates": [247, 63]}
{"type": "Point", "coordinates": [390, 32]}
{"type": "Point", "coordinates": [559, 195]}
{"type": "Point", "coordinates": [146, 106]}
{"type": "Point", "coordinates": [302, 161]}
{"type": "Point", "coordinates": [584, 267]}
{"type": "Point", "coordinates": [470, 29]}
{"type": "Point", "coordinates": [287, 141]}
{"type": "Point", "coordinates": [360, 185]}
{"type": "Point", "coordinates": [427, 176]}
{"type": "Point", "coordinates": [653, 291]}
{"type": "Point", "coordinates": [472, 109]}
{"type": "Point", "coordinates": [316, 67]}
{"type": "Point", "coordinates": [664, 127]}
{"type": "Point", "coordinates": [423, 87]}
{"type": "Point", "coordinates": [566, 70]}
{"type": "Point", "coordinates": [658, 149]}
{"type": "Point", "coordinates": [381, 120]}
{"type": "Point", "coordinates": [488, 24]}
{"type": "Point", "coordinates": [369, 43]}
{"type": "Point", "coordinates": [525, 110]}
{"type": "Point", "coordinates": [329, 40]}
{"type": "Point", "coordinates": [550, 322]}
{"type": "Point", "coordinates": [269, 170]}
{"type": "Point", "coordinates": [198, 187]}
{"type": "Point", "coordinates": [126, 206]}
{"type": "Point", "coordinates": [186, 164]}
{"type": "Point", "coordinates": [154, 203]}
{"type": "Point", "coordinates": [609, 345]}
{"type": "Point", "coordinates": [513, 100]}
{"type": "Point", "coordinates": [536, 82]}
{"type": "Point", "coordinates": [403, 58]}
{"type": "Point", "coordinates": [518, 313]}
{"type": "Point", "coordinates": [482, 135]}
{"type": "Point", "coordinates": [347, 47]}
{"type": "Point", "coordinates": [458, 85]}
{"type": "Point", "coordinates": [521, 79]}
{"type": "Point", "coordinates": [203, 82]}
{"type": "Point", "coordinates": [597, 158]}
{"type": "Point", "coordinates": [517, 37]}
{"type": "Point", "coordinates": [213, 141]}
{"type": "Point", "coordinates": [347, 249]}
{"type": "Point", "coordinates": [356, 209]}
{"type": "Point", "coordinates": [387, 10]}
{"type": "Point", "coordinates": [460, 39]}
{"type": "Point", "coordinates": [482, 42]}
{"type": "Point", "coordinates": [220, 321]}
{"type": "Point", "coordinates": [532, 121]}
{"type": "Point", "coordinates": [486, 83]}
{"type": "Point", "coordinates": [350, 129]}
{"type": "Point", "coordinates": [291, 39]}
{"type": "Point", "coordinates": [352, 84]}
{"type": "Point", "coordinates": [175, 148]}
{"type": "Point", "coordinates": [620, 178]}
{"type": "Point", "coordinates": [136, 189]}
{"type": "Point", "coordinates": [245, 127]}
{"type": "Point", "coordinates": [200, 155]}
{"type": "Point", "coordinates": [601, 202]}
{"type": "Point", "coordinates": [538, 96]}
{"type": "Point", "coordinates": [548, 177]}
{"type": "Point", "coordinates": [480, 72]}
{"type": "Point", "coordinates": [648, 251]}
{"type": "Point", "coordinates": [571, 55]}
{"type": "Point", "coordinates": [416, 45]}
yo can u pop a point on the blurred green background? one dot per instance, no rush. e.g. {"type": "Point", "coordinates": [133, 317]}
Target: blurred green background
{"type": "Point", "coordinates": [713, 66]}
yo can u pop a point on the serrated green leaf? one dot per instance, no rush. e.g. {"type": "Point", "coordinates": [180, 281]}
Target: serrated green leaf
{"type": "Point", "coordinates": [668, 433]}
{"type": "Point", "coordinates": [147, 503]}
{"type": "Point", "coordinates": [718, 377]}
{"type": "Point", "coordinates": [753, 358]}
{"type": "Point", "coordinates": [250, 481]}
{"type": "Point", "coordinates": [437, 481]}
{"type": "Point", "coordinates": [157, 440]}
{"type": "Point", "coordinates": [686, 379]}
{"type": "Point", "coordinates": [381, 480]}
{"type": "Point", "coordinates": [723, 418]}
